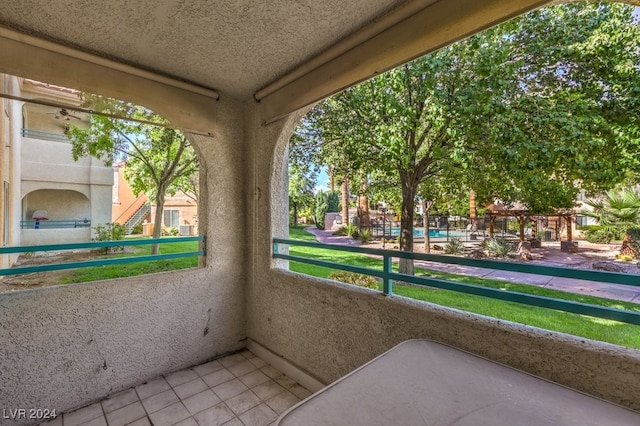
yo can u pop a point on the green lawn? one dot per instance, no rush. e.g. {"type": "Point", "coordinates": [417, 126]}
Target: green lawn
{"type": "Point", "coordinates": [95, 273]}
{"type": "Point", "coordinates": [579, 325]}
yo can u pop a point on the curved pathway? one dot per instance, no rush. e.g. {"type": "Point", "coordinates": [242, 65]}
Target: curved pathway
{"type": "Point", "coordinates": [552, 257]}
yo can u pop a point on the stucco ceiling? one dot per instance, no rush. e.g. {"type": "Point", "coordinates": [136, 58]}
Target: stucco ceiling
{"type": "Point", "coordinates": [233, 46]}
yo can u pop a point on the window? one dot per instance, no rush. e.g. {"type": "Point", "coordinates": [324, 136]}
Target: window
{"type": "Point", "coordinates": [171, 218]}
{"type": "Point", "coordinates": [582, 220]}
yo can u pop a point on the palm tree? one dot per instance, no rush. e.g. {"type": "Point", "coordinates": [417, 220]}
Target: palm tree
{"type": "Point", "coordinates": [618, 212]}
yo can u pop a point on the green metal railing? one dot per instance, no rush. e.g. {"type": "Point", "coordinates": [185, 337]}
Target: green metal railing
{"type": "Point", "coordinates": [99, 262]}
{"type": "Point", "coordinates": [388, 276]}
{"type": "Point", "coordinates": [49, 224]}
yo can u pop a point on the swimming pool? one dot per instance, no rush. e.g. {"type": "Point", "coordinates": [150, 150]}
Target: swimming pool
{"type": "Point", "coordinates": [433, 233]}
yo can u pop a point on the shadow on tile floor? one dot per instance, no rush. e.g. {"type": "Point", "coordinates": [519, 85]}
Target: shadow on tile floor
{"type": "Point", "coordinates": [239, 389]}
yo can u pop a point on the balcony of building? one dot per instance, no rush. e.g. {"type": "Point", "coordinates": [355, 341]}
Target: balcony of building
{"type": "Point", "coordinates": [66, 347]}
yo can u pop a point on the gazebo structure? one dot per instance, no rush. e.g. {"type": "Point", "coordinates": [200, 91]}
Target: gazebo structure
{"type": "Point", "coordinates": [523, 214]}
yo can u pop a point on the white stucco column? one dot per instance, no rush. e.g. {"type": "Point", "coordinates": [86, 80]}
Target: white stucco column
{"type": "Point", "coordinates": [15, 187]}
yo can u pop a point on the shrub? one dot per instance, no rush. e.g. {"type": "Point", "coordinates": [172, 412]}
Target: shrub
{"type": "Point", "coordinates": [597, 234]}
{"type": "Point", "coordinates": [454, 246]}
{"type": "Point", "coordinates": [137, 229]}
{"type": "Point", "coordinates": [352, 230]}
{"type": "Point", "coordinates": [173, 232]}
{"type": "Point", "coordinates": [624, 257]}
{"type": "Point", "coordinates": [498, 247]}
{"type": "Point", "coordinates": [109, 232]}
{"type": "Point", "coordinates": [360, 280]}
{"type": "Point", "coordinates": [365, 236]}
{"type": "Point", "coordinates": [341, 232]}
{"type": "Point", "coordinates": [333, 202]}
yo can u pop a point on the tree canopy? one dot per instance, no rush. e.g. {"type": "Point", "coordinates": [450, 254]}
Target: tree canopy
{"type": "Point", "coordinates": [159, 160]}
{"type": "Point", "coordinates": [531, 110]}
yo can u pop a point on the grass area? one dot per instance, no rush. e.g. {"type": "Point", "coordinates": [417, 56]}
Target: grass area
{"type": "Point", "coordinates": [579, 325]}
{"type": "Point", "coordinates": [95, 273]}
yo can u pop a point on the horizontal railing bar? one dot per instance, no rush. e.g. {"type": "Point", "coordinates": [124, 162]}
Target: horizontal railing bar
{"type": "Point", "coordinates": [582, 274]}
{"type": "Point", "coordinates": [331, 265]}
{"type": "Point", "coordinates": [510, 296]}
{"type": "Point", "coordinates": [47, 224]}
{"type": "Point", "coordinates": [56, 220]}
{"type": "Point", "coordinates": [38, 134]}
{"type": "Point", "coordinates": [98, 262]}
{"type": "Point", "coordinates": [98, 244]}
{"type": "Point", "coordinates": [527, 299]}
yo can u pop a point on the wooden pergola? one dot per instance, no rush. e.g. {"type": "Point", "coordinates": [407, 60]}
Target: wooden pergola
{"type": "Point", "coordinates": [523, 215]}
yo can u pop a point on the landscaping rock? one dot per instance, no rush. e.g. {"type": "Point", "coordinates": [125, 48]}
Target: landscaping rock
{"type": "Point", "coordinates": [437, 247]}
{"type": "Point", "coordinates": [524, 250]}
{"type": "Point", "coordinates": [477, 253]}
{"type": "Point", "coordinates": [535, 243]}
{"type": "Point", "coordinates": [569, 246]}
{"type": "Point", "coordinates": [607, 266]}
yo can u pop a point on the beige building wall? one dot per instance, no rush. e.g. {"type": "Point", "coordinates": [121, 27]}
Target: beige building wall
{"type": "Point", "coordinates": [125, 202]}
{"type": "Point", "coordinates": [180, 212]}
{"type": "Point", "coordinates": [50, 179]}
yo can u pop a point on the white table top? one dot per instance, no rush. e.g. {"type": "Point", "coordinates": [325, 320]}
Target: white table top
{"type": "Point", "coordinates": [420, 382]}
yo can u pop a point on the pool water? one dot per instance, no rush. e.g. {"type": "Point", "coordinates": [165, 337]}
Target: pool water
{"type": "Point", "coordinates": [433, 233]}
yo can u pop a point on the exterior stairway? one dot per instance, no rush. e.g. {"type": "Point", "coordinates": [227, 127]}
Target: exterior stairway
{"type": "Point", "coordinates": [137, 217]}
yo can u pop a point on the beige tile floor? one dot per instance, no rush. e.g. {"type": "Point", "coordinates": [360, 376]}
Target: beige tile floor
{"type": "Point", "coordinates": [239, 389]}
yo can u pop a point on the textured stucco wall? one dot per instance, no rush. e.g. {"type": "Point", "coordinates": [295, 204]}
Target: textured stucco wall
{"type": "Point", "coordinates": [66, 346]}
{"type": "Point", "coordinates": [50, 161]}
{"type": "Point", "coordinates": [330, 328]}
{"type": "Point", "coordinates": [54, 236]}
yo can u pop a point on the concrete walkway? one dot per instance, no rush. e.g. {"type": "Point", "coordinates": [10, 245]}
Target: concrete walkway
{"type": "Point", "coordinates": [545, 256]}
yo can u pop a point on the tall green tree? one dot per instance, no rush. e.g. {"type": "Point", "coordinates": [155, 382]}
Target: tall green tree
{"type": "Point", "coordinates": [527, 111]}
{"type": "Point", "coordinates": [302, 182]}
{"type": "Point", "coordinates": [159, 160]}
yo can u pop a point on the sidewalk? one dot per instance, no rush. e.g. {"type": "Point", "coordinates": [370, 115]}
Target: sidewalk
{"type": "Point", "coordinates": [550, 257]}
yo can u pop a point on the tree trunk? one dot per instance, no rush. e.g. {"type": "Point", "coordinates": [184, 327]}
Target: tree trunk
{"type": "Point", "coordinates": [473, 211]}
{"type": "Point", "coordinates": [363, 204]}
{"type": "Point", "coordinates": [295, 214]}
{"type": "Point", "coordinates": [425, 221]}
{"type": "Point", "coordinates": [157, 221]}
{"type": "Point", "coordinates": [332, 180]}
{"type": "Point", "coordinates": [521, 228]}
{"type": "Point", "coordinates": [409, 189]}
{"type": "Point", "coordinates": [345, 201]}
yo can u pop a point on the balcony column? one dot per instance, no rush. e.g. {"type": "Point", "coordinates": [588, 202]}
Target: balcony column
{"type": "Point", "coordinates": [15, 173]}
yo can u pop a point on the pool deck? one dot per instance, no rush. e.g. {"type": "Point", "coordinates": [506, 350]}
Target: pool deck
{"type": "Point", "coordinates": [548, 256]}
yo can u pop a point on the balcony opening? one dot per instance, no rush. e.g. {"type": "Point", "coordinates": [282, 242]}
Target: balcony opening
{"type": "Point", "coordinates": [482, 150]}
{"type": "Point", "coordinates": [84, 170]}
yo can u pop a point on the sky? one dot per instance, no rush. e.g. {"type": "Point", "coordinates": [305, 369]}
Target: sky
{"type": "Point", "coordinates": [322, 181]}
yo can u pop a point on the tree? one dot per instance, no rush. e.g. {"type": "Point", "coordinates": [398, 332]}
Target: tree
{"type": "Point", "coordinates": [325, 202]}
{"type": "Point", "coordinates": [159, 160]}
{"type": "Point", "coordinates": [616, 211]}
{"type": "Point", "coordinates": [302, 181]}
{"type": "Point", "coordinates": [529, 111]}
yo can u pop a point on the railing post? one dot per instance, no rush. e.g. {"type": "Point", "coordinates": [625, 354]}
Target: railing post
{"type": "Point", "coordinates": [387, 265]}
